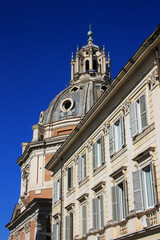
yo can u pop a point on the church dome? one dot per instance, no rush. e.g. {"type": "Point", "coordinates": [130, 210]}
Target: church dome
{"type": "Point", "coordinates": [90, 76]}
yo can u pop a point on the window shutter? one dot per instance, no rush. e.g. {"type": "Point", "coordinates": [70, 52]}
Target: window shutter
{"type": "Point", "coordinates": [143, 109]}
{"type": "Point", "coordinates": [124, 199]}
{"type": "Point", "coordinates": [111, 140]}
{"type": "Point", "coordinates": [55, 191]}
{"type": "Point", "coordinates": [94, 210]}
{"type": "Point", "coordinates": [84, 220]}
{"type": "Point", "coordinates": [79, 169]}
{"type": "Point", "coordinates": [69, 178]}
{"type": "Point", "coordinates": [59, 189]}
{"type": "Point", "coordinates": [71, 225]}
{"type": "Point", "coordinates": [67, 230]}
{"type": "Point", "coordinates": [58, 232]}
{"type": "Point", "coordinates": [84, 171]}
{"type": "Point", "coordinates": [115, 203]}
{"type": "Point", "coordinates": [153, 182]}
{"type": "Point", "coordinates": [137, 187]}
{"type": "Point", "coordinates": [102, 149]}
{"type": "Point", "coordinates": [101, 211]}
{"type": "Point", "coordinates": [54, 231]}
{"type": "Point", "coordinates": [94, 155]}
{"type": "Point", "coordinates": [122, 129]}
{"type": "Point", "coordinates": [72, 177]}
{"type": "Point", "coordinates": [133, 119]}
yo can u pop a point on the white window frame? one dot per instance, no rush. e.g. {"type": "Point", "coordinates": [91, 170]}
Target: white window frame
{"type": "Point", "coordinates": [138, 113]}
{"type": "Point", "coordinates": [68, 230]}
{"type": "Point", "coordinates": [82, 167]}
{"type": "Point", "coordinates": [98, 152]}
{"type": "Point", "coordinates": [56, 231]}
{"type": "Point", "coordinates": [98, 213]}
{"type": "Point", "coordinates": [116, 140]}
{"type": "Point", "coordinates": [71, 177]}
{"type": "Point", "coordinates": [84, 220]}
{"type": "Point", "coordinates": [140, 188]}
{"type": "Point", "coordinates": [119, 201]}
{"type": "Point", "coordinates": [56, 190]}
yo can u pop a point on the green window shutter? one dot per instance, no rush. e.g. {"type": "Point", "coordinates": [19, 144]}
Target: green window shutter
{"type": "Point", "coordinates": [94, 210]}
{"type": "Point", "coordinates": [72, 177]}
{"type": "Point", "coordinates": [84, 220]}
{"type": "Point", "coordinates": [111, 140]}
{"type": "Point", "coordinates": [58, 232]}
{"type": "Point", "coordinates": [94, 155]}
{"type": "Point", "coordinates": [102, 149]}
{"type": "Point", "coordinates": [122, 129]}
{"type": "Point", "coordinates": [71, 225]}
{"type": "Point", "coordinates": [143, 109]}
{"type": "Point", "coordinates": [153, 182]}
{"type": "Point", "coordinates": [125, 210]}
{"type": "Point", "coordinates": [69, 178]}
{"type": "Point", "coordinates": [101, 211]}
{"type": "Point", "coordinates": [138, 194]}
{"type": "Point", "coordinates": [55, 232]}
{"type": "Point", "coordinates": [67, 228]}
{"type": "Point", "coordinates": [133, 119]}
{"type": "Point", "coordinates": [79, 169]}
{"type": "Point", "coordinates": [114, 190]}
{"type": "Point", "coordinates": [84, 171]}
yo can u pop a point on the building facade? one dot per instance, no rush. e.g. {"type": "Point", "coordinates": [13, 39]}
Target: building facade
{"type": "Point", "coordinates": [90, 77]}
{"type": "Point", "coordinates": [106, 175]}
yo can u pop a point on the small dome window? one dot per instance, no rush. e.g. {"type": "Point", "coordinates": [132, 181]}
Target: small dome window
{"type": "Point", "coordinates": [74, 89]}
{"type": "Point", "coordinates": [87, 66]}
{"type": "Point", "coordinates": [103, 88]}
{"type": "Point", "coordinates": [67, 105]}
{"type": "Point", "coordinates": [95, 65]}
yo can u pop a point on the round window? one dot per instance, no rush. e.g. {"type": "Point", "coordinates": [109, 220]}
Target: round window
{"type": "Point", "coordinates": [67, 104]}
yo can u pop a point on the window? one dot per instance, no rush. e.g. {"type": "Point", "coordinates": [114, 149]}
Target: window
{"type": "Point", "coordinates": [84, 219]}
{"type": "Point", "coordinates": [70, 177]}
{"type": "Point", "coordinates": [119, 201]}
{"type": "Point", "coordinates": [138, 115]}
{"type": "Point", "coordinates": [69, 226]}
{"type": "Point", "coordinates": [95, 65]}
{"type": "Point", "coordinates": [98, 212]}
{"type": "Point", "coordinates": [56, 231]}
{"type": "Point", "coordinates": [98, 153]}
{"type": "Point", "coordinates": [57, 187]}
{"type": "Point", "coordinates": [87, 66]}
{"type": "Point", "coordinates": [144, 188]}
{"type": "Point", "coordinates": [81, 167]}
{"type": "Point", "coordinates": [116, 136]}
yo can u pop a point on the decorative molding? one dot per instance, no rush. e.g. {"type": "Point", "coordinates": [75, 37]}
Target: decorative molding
{"type": "Point", "coordinates": [83, 197]}
{"type": "Point", "coordinates": [144, 154]}
{"type": "Point", "coordinates": [27, 227]}
{"type": "Point", "coordinates": [89, 145]}
{"type": "Point", "coordinates": [119, 171]}
{"type": "Point", "coordinates": [57, 216]}
{"type": "Point", "coordinates": [125, 106]}
{"type": "Point", "coordinates": [106, 128]}
{"type": "Point", "coordinates": [70, 206]}
{"type": "Point", "coordinates": [98, 186]}
{"type": "Point", "coordinates": [152, 80]}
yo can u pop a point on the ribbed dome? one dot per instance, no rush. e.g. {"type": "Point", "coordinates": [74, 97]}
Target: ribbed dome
{"type": "Point", "coordinates": [74, 101]}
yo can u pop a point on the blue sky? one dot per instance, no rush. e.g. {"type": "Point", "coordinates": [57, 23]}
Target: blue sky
{"type": "Point", "coordinates": [36, 41]}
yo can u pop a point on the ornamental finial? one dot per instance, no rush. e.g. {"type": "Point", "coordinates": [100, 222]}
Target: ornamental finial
{"type": "Point", "coordinates": [90, 34]}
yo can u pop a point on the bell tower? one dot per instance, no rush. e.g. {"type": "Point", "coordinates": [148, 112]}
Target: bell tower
{"type": "Point", "coordinates": [90, 60]}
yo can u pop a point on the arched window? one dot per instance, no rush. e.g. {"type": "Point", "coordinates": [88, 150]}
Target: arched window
{"type": "Point", "coordinates": [95, 65]}
{"type": "Point", "coordinates": [87, 66]}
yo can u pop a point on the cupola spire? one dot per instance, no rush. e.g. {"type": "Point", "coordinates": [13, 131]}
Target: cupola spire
{"type": "Point", "coordinates": [90, 34]}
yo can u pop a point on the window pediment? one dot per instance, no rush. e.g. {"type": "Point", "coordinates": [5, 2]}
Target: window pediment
{"type": "Point", "coordinates": [83, 197]}
{"type": "Point", "coordinates": [118, 172]}
{"type": "Point", "coordinates": [70, 206]}
{"type": "Point", "coordinates": [143, 155]}
{"type": "Point", "coordinates": [99, 186]}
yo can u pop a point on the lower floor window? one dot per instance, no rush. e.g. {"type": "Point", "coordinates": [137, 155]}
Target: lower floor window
{"type": "Point", "coordinates": [119, 201]}
{"type": "Point", "coordinates": [69, 226]}
{"type": "Point", "coordinates": [84, 219]}
{"type": "Point", "coordinates": [98, 212]}
{"type": "Point", "coordinates": [144, 188]}
{"type": "Point", "coordinates": [56, 231]}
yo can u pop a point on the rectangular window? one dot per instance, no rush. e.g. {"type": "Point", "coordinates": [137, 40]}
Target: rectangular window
{"type": "Point", "coordinates": [144, 188]}
{"type": "Point", "coordinates": [98, 212]}
{"type": "Point", "coordinates": [56, 191]}
{"type": "Point", "coordinates": [70, 177]}
{"type": "Point", "coordinates": [116, 135]}
{"type": "Point", "coordinates": [138, 115]}
{"type": "Point", "coordinates": [98, 153]}
{"type": "Point", "coordinates": [82, 167]}
{"type": "Point", "coordinates": [119, 201]}
{"type": "Point", "coordinates": [56, 231]}
{"type": "Point", "coordinates": [69, 227]}
{"type": "Point", "coordinates": [84, 220]}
